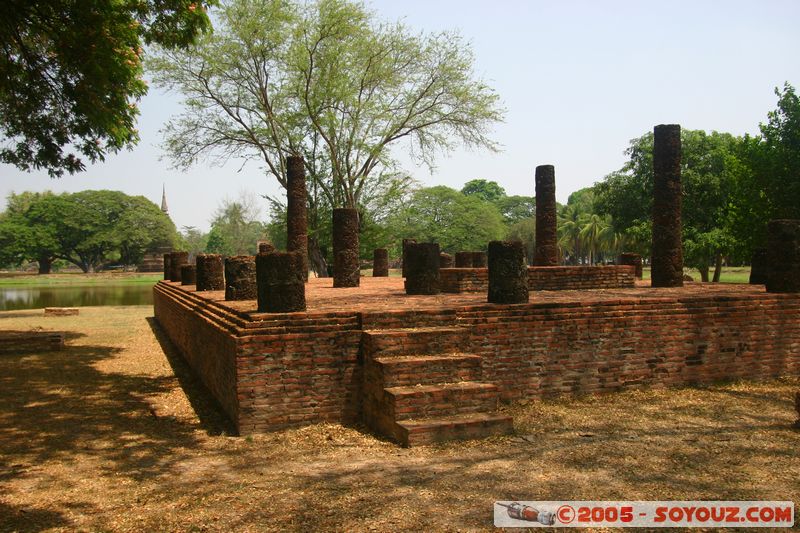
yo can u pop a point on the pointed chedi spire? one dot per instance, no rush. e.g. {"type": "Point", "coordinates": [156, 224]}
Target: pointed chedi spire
{"type": "Point", "coordinates": [164, 207]}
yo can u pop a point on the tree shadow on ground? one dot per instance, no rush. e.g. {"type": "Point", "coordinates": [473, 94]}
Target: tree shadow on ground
{"type": "Point", "coordinates": [212, 417]}
{"type": "Point", "coordinates": [25, 519]}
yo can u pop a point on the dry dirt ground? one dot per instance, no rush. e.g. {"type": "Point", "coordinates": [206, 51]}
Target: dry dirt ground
{"type": "Point", "coordinates": [113, 434]}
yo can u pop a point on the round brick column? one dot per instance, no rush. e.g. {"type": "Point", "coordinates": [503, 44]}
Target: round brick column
{"type": "Point", "coordinates": [423, 268]}
{"type": "Point", "coordinates": [546, 252]}
{"type": "Point", "coordinates": [281, 287]}
{"type": "Point", "coordinates": [240, 278]}
{"type": "Point", "coordinates": [463, 259]}
{"type": "Point", "coordinates": [479, 260]}
{"type": "Point", "coordinates": [188, 275]}
{"type": "Point", "coordinates": [508, 273]}
{"type": "Point", "coordinates": [406, 242]}
{"type": "Point", "coordinates": [783, 256]}
{"type": "Point", "coordinates": [296, 213]}
{"type": "Point", "coordinates": [177, 260]}
{"type": "Point", "coordinates": [346, 266]}
{"type": "Point", "coordinates": [632, 259]}
{"type": "Point", "coordinates": [380, 263]}
{"type": "Point", "coordinates": [445, 260]}
{"type": "Point", "coordinates": [265, 248]}
{"type": "Point", "coordinates": [167, 265]}
{"type": "Point", "coordinates": [759, 267]}
{"type": "Point", "coordinates": [667, 261]}
{"type": "Point", "coordinates": [209, 272]}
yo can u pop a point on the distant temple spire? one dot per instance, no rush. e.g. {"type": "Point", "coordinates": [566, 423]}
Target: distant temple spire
{"type": "Point", "coordinates": [164, 207]}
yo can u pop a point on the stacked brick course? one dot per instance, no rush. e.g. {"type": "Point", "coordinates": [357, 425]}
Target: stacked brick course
{"type": "Point", "coordinates": [560, 278]}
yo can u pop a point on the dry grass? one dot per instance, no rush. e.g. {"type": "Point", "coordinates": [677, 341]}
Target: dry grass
{"type": "Point", "coordinates": [113, 434]}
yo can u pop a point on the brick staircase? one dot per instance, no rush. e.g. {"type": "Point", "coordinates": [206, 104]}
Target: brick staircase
{"type": "Point", "coordinates": [420, 386]}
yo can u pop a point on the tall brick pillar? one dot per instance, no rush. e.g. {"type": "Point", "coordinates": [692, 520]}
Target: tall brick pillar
{"type": "Point", "coordinates": [281, 287]}
{"type": "Point", "coordinates": [296, 217]}
{"type": "Point", "coordinates": [209, 273]}
{"type": "Point", "coordinates": [783, 256]}
{"type": "Point", "coordinates": [508, 273]}
{"type": "Point", "coordinates": [380, 263]}
{"type": "Point", "coordinates": [346, 267]}
{"type": "Point", "coordinates": [546, 253]}
{"type": "Point", "coordinates": [423, 268]}
{"type": "Point", "coordinates": [667, 261]}
{"type": "Point", "coordinates": [406, 242]}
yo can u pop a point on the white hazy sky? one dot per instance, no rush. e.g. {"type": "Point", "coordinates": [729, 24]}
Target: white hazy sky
{"type": "Point", "coordinates": [579, 79]}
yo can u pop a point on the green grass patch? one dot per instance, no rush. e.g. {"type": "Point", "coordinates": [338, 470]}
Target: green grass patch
{"type": "Point", "coordinates": [44, 280]}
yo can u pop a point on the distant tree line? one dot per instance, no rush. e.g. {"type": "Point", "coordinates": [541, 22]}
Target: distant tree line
{"type": "Point", "coordinates": [89, 229]}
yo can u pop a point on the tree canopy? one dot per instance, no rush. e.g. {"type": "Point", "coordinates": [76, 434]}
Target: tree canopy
{"type": "Point", "coordinates": [90, 229]}
{"type": "Point", "coordinates": [71, 75]}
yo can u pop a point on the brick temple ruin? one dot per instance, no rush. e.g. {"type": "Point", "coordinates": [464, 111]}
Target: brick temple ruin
{"type": "Point", "coordinates": [430, 357]}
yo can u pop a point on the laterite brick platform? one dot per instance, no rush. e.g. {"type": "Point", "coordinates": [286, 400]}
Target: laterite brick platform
{"type": "Point", "coordinates": [425, 368]}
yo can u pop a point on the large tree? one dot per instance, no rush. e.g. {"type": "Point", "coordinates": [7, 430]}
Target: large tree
{"type": "Point", "coordinates": [456, 221]}
{"type": "Point", "coordinates": [71, 74]}
{"type": "Point", "coordinates": [328, 81]}
{"type": "Point", "coordinates": [236, 228]}
{"type": "Point", "coordinates": [89, 228]}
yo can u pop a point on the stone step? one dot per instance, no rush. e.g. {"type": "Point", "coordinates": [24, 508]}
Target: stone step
{"type": "Point", "coordinates": [423, 431]}
{"type": "Point", "coordinates": [405, 370]}
{"type": "Point", "coordinates": [444, 399]}
{"type": "Point", "coordinates": [387, 342]}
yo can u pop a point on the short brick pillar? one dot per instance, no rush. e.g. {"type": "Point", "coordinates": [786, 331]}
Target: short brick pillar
{"type": "Point", "coordinates": [759, 267]}
{"type": "Point", "coordinates": [508, 273]}
{"type": "Point", "coordinates": [422, 271]}
{"type": "Point", "coordinates": [296, 212]}
{"type": "Point", "coordinates": [479, 260]}
{"type": "Point", "coordinates": [188, 274]}
{"type": "Point", "coordinates": [406, 242]}
{"type": "Point", "coordinates": [632, 259]}
{"type": "Point", "coordinates": [167, 265]}
{"type": "Point", "coordinates": [666, 269]}
{"type": "Point", "coordinates": [209, 273]}
{"type": "Point", "coordinates": [783, 256]}
{"type": "Point", "coordinates": [346, 266]}
{"type": "Point", "coordinates": [445, 260]}
{"type": "Point", "coordinates": [380, 263]}
{"type": "Point", "coordinates": [265, 248]}
{"type": "Point", "coordinates": [546, 251]}
{"type": "Point", "coordinates": [176, 261]}
{"type": "Point", "coordinates": [463, 260]}
{"type": "Point", "coordinates": [281, 287]}
{"type": "Point", "coordinates": [240, 278]}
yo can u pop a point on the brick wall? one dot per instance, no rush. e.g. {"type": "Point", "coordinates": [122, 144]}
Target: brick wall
{"type": "Point", "coordinates": [558, 278]}
{"type": "Point", "coordinates": [203, 336]}
{"type": "Point", "coordinates": [276, 371]}
{"type": "Point", "coordinates": [547, 350]}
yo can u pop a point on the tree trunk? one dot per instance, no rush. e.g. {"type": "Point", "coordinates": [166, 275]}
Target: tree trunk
{"type": "Point", "coordinates": [703, 268]}
{"type": "Point", "coordinates": [45, 265]}
{"type": "Point", "coordinates": [717, 268]}
{"type": "Point", "coordinates": [316, 260]}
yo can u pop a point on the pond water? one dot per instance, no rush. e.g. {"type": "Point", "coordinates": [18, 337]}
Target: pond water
{"type": "Point", "coordinates": [12, 298]}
